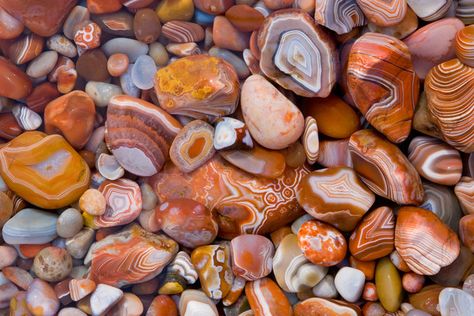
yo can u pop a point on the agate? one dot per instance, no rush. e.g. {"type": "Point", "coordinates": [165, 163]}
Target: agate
{"type": "Point", "coordinates": [44, 170]}
{"type": "Point", "coordinates": [340, 16]}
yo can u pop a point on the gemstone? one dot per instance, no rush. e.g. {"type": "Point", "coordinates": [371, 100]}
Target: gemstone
{"type": "Point", "coordinates": [163, 305]}
{"type": "Point", "coordinates": [146, 26]}
{"type": "Point", "coordinates": [412, 282]}
{"type": "Point", "coordinates": [62, 45]}
{"type": "Point", "coordinates": [117, 64]}
{"type": "Point", "coordinates": [188, 222]}
{"type": "Point", "coordinates": [92, 65]}
{"type": "Point", "coordinates": [407, 26]}
{"type": "Point", "coordinates": [321, 306]}
{"type": "Point", "coordinates": [297, 53]}
{"type": "Point", "coordinates": [336, 196]}
{"type": "Point", "coordinates": [209, 87]}
{"type": "Point", "coordinates": [14, 83]}
{"type": "Point", "coordinates": [427, 299]}
{"type": "Point", "coordinates": [195, 302]}
{"type": "Point", "coordinates": [339, 16]}
{"type": "Point", "coordinates": [41, 298]}
{"type": "Point", "coordinates": [104, 298]}
{"type": "Point", "coordinates": [385, 13]}
{"type": "Point", "coordinates": [466, 231]}
{"type": "Point", "coordinates": [244, 17]}
{"type": "Point", "coordinates": [226, 35]}
{"type": "Point", "coordinates": [78, 289]}
{"type": "Point", "coordinates": [273, 120]}
{"type": "Point", "coordinates": [424, 242]}
{"type": "Point", "coordinates": [101, 7]}
{"type": "Point", "coordinates": [454, 301]}
{"type": "Point", "coordinates": [183, 32]}
{"type": "Point", "coordinates": [42, 64]}
{"type": "Point", "coordinates": [388, 284]}
{"type": "Point", "coordinates": [374, 236]}
{"type": "Point", "coordinates": [65, 113]}
{"type": "Point", "coordinates": [122, 45]}
{"type": "Point", "coordinates": [383, 84]}
{"type": "Point", "coordinates": [41, 95]}
{"type": "Point", "coordinates": [231, 133]}
{"type": "Point", "coordinates": [464, 45]}
{"type": "Point", "coordinates": [168, 10]}
{"type": "Point", "coordinates": [321, 243]}
{"type": "Point", "coordinates": [311, 140]}
{"type": "Point", "coordinates": [325, 288]}
{"type": "Point", "coordinates": [52, 264]}
{"type": "Point", "coordinates": [349, 283]}
{"type": "Point", "coordinates": [384, 168]}
{"type": "Point", "coordinates": [10, 27]}
{"type": "Point", "coordinates": [143, 72]}
{"type": "Point", "coordinates": [251, 256]}
{"type": "Point", "coordinates": [130, 256]}
{"type": "Point", "coordinates": [430, 10]}
{"type": "Point", "coordinates": [464, 191]}
{"type": "Point", "coordinates": [243, 203]}
{"type": "Point", "coordinates": [266, 298]}
{"type": "Point", "coordinates": [141, 149]}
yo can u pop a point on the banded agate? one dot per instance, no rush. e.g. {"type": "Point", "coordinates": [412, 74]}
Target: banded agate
{"type": "Point", "coordinates": [423, 241]}
{"type": "Point", "coordinates": [464, 45]}
{"type": "Point", "coordinates": [449, 90]}
{"type": "Point", "coordinates": [44, 170]}
{"type": "Point", "coordinates": [297, 53]}
{"type": "Point", "coordinates": [266, 298]}
{"type": "Point", "coordinates": [464, 191]}
{"type": "Point", "coordinates": [434, 160]}
{"type": "Point", "coordinates": [124, 203]}
{"type": "Point", "coordinates": [430, 10]}
{"type": "Point", "coordinates": [384, 12]}
{"type": "Point", "coordinates": [208, 87]}
{"type": "Point", "coordinates": [243, 203]}
{"type": "Point", "coordinates": [384, 168]}
{"type": "Point", "coordinates": [130, 256]}
{"type": "Point", "coordinates": [374, 236]}
{"type": "Point", "coordinates": [252, 256]}
{"type": "Point", "coordinates": [139, 134]}
{"type": "Point", "coordinates": [340, 16]}
{"type": "Point", "coordinates": [383, 84]}
{"type": "Point", "coordinates": [336, 196]}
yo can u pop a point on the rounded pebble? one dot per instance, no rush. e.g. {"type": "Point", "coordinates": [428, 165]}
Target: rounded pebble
{"type": "Point", "coordinates": [52, 264]}
{"type": "Point", "coordinates": [69, 223]}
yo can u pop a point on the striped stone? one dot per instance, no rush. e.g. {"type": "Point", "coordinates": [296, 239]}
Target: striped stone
{"type": "Point", "coordinates": [384, 12]}
{"type": "Point", "coordinates": [340, 16]}
{"type": "Point", "coordinates": [182, 32]}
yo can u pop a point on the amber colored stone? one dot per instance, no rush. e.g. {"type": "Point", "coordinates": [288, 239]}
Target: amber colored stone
{"type": "Point", "coordinates": [427, 299]}
{"type": "Point", "coordinates": [44, 18]}
{"type": "Point", "coordinates": [278, 235]}
{"type": "Point", "coordinates": [168, 10]}
{"type": "Point", "coordinates": [321, 243]}
{"type": "Point", "coordinates": [9, 26]}
{"type": "Point", "coordinates": [92, 66]}
{"type": "Point", "coordinates": [9, 127]}
{"type": "Point", "coordinates": [208, 87]}
{"type": "Point", "coordinates": [334, 116]}
{"type": "Point", "coordinates": [258, 161]}
{"type": "Point", "coordinates": [244, 17]}
{"type": "Point", "coordinates": [146, 26]}
{"type": "Point", "coordinates": [187, 221]}
{"type": "Point", "coordinates": [65, 114]}
{"type": "Point", "coordinates": [162, 305]}
{"type": "Point", "coordinates": [88, 35]}
{"type": "Point", "coordinates": [31, 250]}
{"type": "Point", "coordinates": [367, 267]}
{"type": "Point", "coordinates": [252, 256]}
{"type": "Point", "coordinates": [243, 203]}
{"type": "Point", "coordinates": [213, 265]}
{"type": "Point", "coordinates": [44, 170]}
{"type": "Point", "coordinates": [320, 306]}
{"type": "Point", "coordinates": [266, 298]}
{"type": "Point", "coordinates": [6, 208]}
{"type": "Point", "coordinates": [101, 6]}
{"type": "Point", "coordinates": [214, 7]}
{"type": "Point", "coordinates": [384, 168]}
{"type": "Point", "coordinates": [466, 231]}
{"type": "Point", "coordinates": [14, 83]}
{"type": "Point", "coordinates": [226, 35]}
{"type": "Point", "coordinates": [389, 285]}
{"type": "Point", "coordinates": [117, 64]}
{"type": "Point", "coordinates": [42, 95]}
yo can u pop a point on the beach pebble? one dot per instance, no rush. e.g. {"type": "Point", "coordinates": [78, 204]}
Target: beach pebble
{"type": "Point", "coordinates": [325, 288]}
{"type": "Point", "coordinates": [102, 92]}
{"type": "Point", "coordinates": [52, 264]}
{"type": "Point", "coordinates": [349, 283]}
{"type": "Point", "coordinates": [79, 244]}
{"type": "Point", "coordinates": [104, 298]}
{"type": "Point", "coordinates": [8, 256]}
{"type": "Point", "coordinates": [143, 72]}
{"type": "Point", "coordinates": [62, 45]}
{"type": "Point", "coordinates": [69, 223]}
{"type": "Point", "coordinates": [42, 64]}
{"type": "Point", "coordinates": [41, 299]}
{"type": "Point", "coordinates": [93, 202]}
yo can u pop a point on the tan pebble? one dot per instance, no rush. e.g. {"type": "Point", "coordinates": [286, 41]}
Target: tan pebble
{"type": "Point", "coordinates": [92, 202]}
{"type": "Point", "coordinates": [52, 264]}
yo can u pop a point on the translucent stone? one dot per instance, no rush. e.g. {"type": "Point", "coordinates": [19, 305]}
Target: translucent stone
{"type": "Point", "coordinates": [143, 72]}
{"type": "Point", "coordinates": [132, 48]}
{"type": "Point", "coordinates": [455, 302]}
{"type": "Point", "coordinates": [127, 84]}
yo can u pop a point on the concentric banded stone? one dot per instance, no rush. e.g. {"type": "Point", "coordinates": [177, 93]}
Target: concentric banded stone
{"type": "Point", "coordinates": [340, 16]}
{"type": "Point", "coordinates": [385, 12]}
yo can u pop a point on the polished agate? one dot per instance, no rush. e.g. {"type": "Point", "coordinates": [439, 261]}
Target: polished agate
{"type": "Point", "coordinates": [374, 236]}
{"type": "Point", "coordinates": [252, 256]}
{"type": "Point", "coordinates": [311, 140]}
{"type": "Point", "coordinates": [384, 13]}
{"type": "Point", "coordinates": [139, 134]}
{"type": "Point", "coordinates": [449, 92]}
{"type": "Point", "coordinates": [464, 45]}
{"type": "Point", "coordinates": [340, 16]}
{"type": "Point", "coordinates": [297, 53]}
{"type": "Point", "coordinates": [44, 170]}
{"type": "Point", "coordinates": [336, 196]}
{"type": "Point", "coordinates": [383, 84]}
{"type": "Point", "coordinates": [384, 168]}
{"type": "Point", "coordinates": [130, 256]}
{"type": "Point", "coordinates": [464, 191]}
{"type": "Point", "coordinates": [243, 203]}
{"type": "Point", "coordinates": [429, 10]}
{"type": "Point", "coordinates": [424, 242]}
{"type": "Point", "coordinates": [208, 87]}
{"type": "Point", "coordinates": [266, 298]}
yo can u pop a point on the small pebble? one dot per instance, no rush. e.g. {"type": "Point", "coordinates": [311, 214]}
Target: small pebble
{"type": "Point", "coordinates": [143, 72]}
{"type": "Point", "coordinates": [117, 64]}
{"type": "Point", "coordinates": [102, 92]}
{"type": "Point", "coordinates": [8, 256]}
{"type": "Point", "coordinates": [93, 202]}
{"type": "Point", "coordinates": [104, 298]}
{"type": "Point", "coordinates": [69, 223]}
{"type": "Point", "coordinates": [52, 264]}
{"type": "Point", "coordinates": [62, 45]}
{"type": "Point", "coordinates": [42, 64]}
{"type": "Point", "coordinates": [41, 299]}
{"type": "Point", "coordinates": [349, 283]}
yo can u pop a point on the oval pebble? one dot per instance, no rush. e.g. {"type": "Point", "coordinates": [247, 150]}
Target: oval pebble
{"type": "Point", "coordinates": [159, 54]}
{"type": "Point", "coordinates": [52, 264]}
{"type": "Point", "coordinates": [69, 223]}
{"type": "Point", "coordinates": [127, 85]}
{"type": "Point", "coordinates": [238, 63]}
{"type": "Point", "coordinates": [130, 47]}
{"type": "Point", "coordinates": [143, 72]}
{"type": "Point", "coordinates": [41, 299]}
{"type": "Point", "coordinates": [8, 256]}
{"type": "Point", "coordinates": [42, 64]}
{"type": "Point", "coordinates": [26, 118]}
{"type": "Point", "coordinates": [62, 45]}
{"type": "Point", "coordinates": [102, 92]}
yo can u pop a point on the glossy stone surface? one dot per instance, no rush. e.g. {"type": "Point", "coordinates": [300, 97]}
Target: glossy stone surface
{"type": "Point", "coordinates": [41, 299]}
{"type": "Point", "coordinates": [297, 53]}
{"type": "Point", "coordinates": [6, 208]}
{"type": "Point", "coordinates": [284, 121]}
{"type": "Point", "coordinates": [433, 44]}
{"type": "Point", "coordinates": [310, 140]}
{"type": "Point", "coordinates": [213, 265]}
{"type": "Point", "coordinates": [401, 30]}
{"type": "Point", "coordinates": [187, 221]}
{"type": "Point", "coordinates": [162, 305]}
{"type": "Point", "coordinates": [293, 272]}
{"type": "Point", "coordinates": [141, 149]}
{"type": "Point", "coordinates": [244, 17]}
{"type": "Point", "coordinates": [42, 18]}
{"type": "Point", "coordinates": [208, 87]}
{"type": "Point", "coordinates": [454, 301]}
{"type": "Point", "coordinates": [65, 113]}
{"type": "Point", "coordinates": [35, 153]}
{"type": "Point", "coordinates": [316, 306]}
{"type": "Point", "coordinates": [117, 64]}
{"type": "Point", "coordinates": [466, 231]}
{"type": "Point", "coordinates": [195, 302]}
{"type": "Point", "coordinates": [339, 16]}
{"type": "Point", "coordinates": [449, 103]}
{"type": "Point", "coordinates": [9, 26]}
{"type": "Point", "coordinates": [146, 25]}
{"type": "Point", "coordinates": [349, 283]}
{"type": "Point", "coordinates": [412, 282]}
{"type": "Point", "coordinates": [321, 243]}
{"type": "Point", "coordinates": [336, 196]}
{"type": "Point", "coordinates": [226, 35]}
{"type": "Point", "coordinates": [385, 13]}
{"type": "Point", "coordinates": [143, 72]}
{"type": "Point", "coordinates": [464, 191]}
{"type": "Point", "coordinates": [168, 10]}
{"type": "Point", "coordinates": [129, 257]}
{"type": "Point", "coordinates": [104, 298]}
{"type": "Point", "coordinates": [78, 289]}
{"type": "Point", "coordinates": [464, 44]}
{"type": "Point", "coordinates": [384, 168]}
{"type": "Point", "coordinates": [266, 298]}
{"type": "Point", "coordinates": [88, 36]}
{"type": "Point", "coordinates": [257, 161]}
{"type": "Point", "coordinates": [383, 84]}
{"type": "Point", "coordinates": [14, 83]}
{"type": "Point", "coordinates": [424, 242]}
{"type": "Point", "coordinates": [389, 285]}
{"type": "Point", "coordinates": [52, 264]}
{"type": "Point", "coordinates": [430, 10]}
{"type": "Point", "coordinates": [243, 203]}
{"type": "Point", "coordinates": [193, 146]}
{"type": "Point", "coordinates": [374, 236]}
{"type": "Point", "coordinates": [251, 256]}
{"type": "Point", "coordinates": [435, 160]}
{"type": "Point", "coordinates": [427, 299]}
